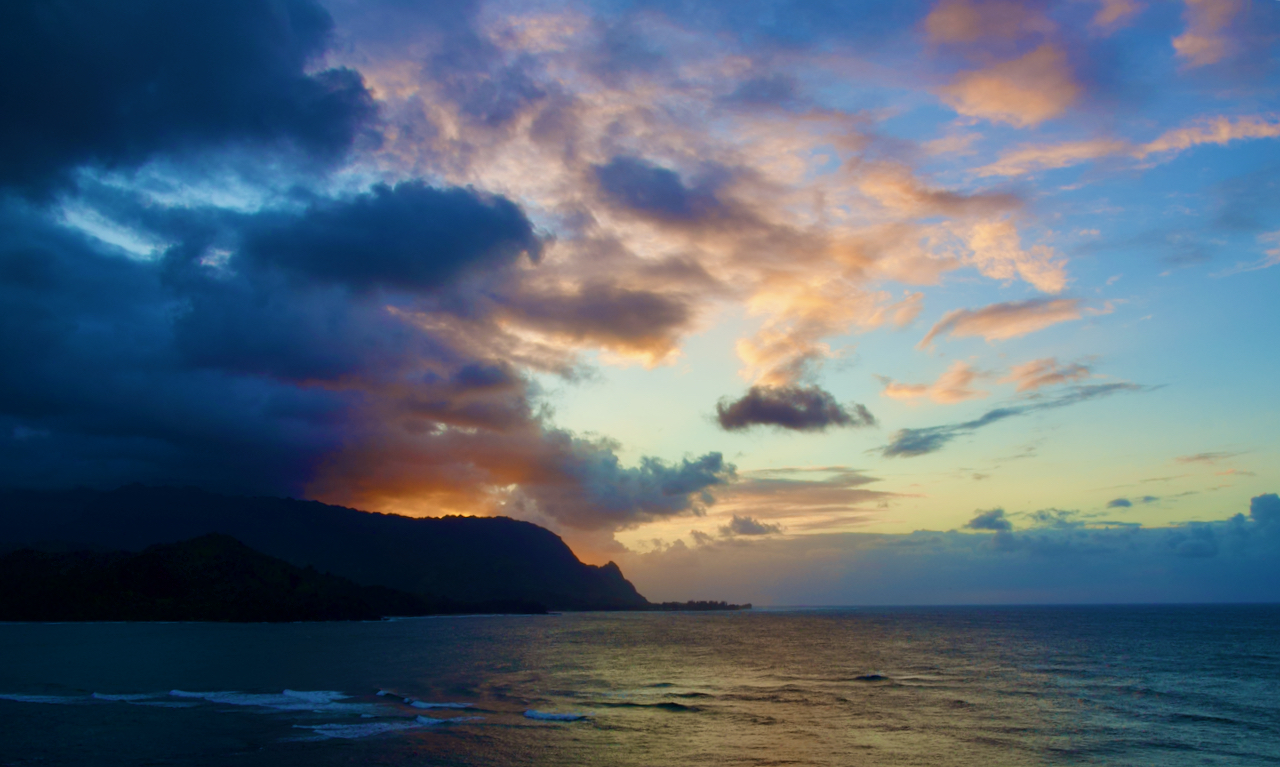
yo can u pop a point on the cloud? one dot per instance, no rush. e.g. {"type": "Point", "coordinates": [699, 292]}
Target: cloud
{"type": "Point", "coordinates": [1220, 130]}
{"type": "Point", "coordinates": [907, 443]}
{"type": "Point", "coordinates": [383, 384]}
{"type": "Point", "coordinates": [1115, 14]}
{"type": "Point", "coordinates": [1206, 39]}
{"type": "Point", "coordinates": [993, 520]}
{"type": "Point", "coordinates": [965, 21]}
{"type": "Point", "coordinates": [748, 526]}
{"type": "Point", "coordinates": [997, 253]}
{"type": "Point", "coordinates": [112, 85]}
{"type": "Point", "coordinates": [645, 323]}
{"type": "Point", "coordinates": [998, 322]}
{"type": "Point", "coordinates": [1040, 373]}
{"type": "Point", "coordinates": [1119, 503]}
{"type": "Point", "coordinates": [409, 237]}
{"type": "Point", "coordinates": [797, 408]}
{"type": "Point", "coordinates": [954, 385]}
{"type": "Point", "coordinates": [1062, 559]}
{"type": "Point", "coordinates": [1029, 159]}
{"type": "Point", "coordinates": [657, 192]}
{"type": "Point", "coordinates": [1023, 92]}
{"type": "Point", "coordinates": [1265, 509]}
{"type": "Point", "coordinates": [1209, 458]}
{"type": "Point", "coordinates": [1271, 258]}
{"type": "Point", "coordinates": [808, 497]}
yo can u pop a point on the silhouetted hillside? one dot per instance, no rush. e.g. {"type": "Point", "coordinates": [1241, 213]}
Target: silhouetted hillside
{"type": "Point", "coordinates": [464, 559]}
{"type": "Point", "coordinates": [210, 578]}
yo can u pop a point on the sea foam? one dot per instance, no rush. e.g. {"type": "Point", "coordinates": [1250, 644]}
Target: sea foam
{"type": "Point", "coordinates": [287, 700]}
{"type": "Point", "coordinates": [425, 704]}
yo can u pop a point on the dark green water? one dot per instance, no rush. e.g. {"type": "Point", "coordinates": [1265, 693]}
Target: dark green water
{"type": "Point", "coordinates": [956, 686]}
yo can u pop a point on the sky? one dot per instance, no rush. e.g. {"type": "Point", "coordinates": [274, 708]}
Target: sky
{"type": "Point", "coordinates": [773, 301]}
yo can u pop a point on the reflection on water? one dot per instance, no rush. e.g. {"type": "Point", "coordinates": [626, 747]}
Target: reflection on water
{"type": "Point", "coordinates": [955, 686]}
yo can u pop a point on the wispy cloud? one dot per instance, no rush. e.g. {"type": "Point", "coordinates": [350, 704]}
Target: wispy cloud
{"type": "Point", "coordinates": [1220, 130]}
{"type": "Point", "coordinates": [1270, 259]}
{"type": "Point", "coordinates": [907, 443]}
{"type": "Point", "coordinates": [954, 385]}
{"type": "Point", "coordinates": [1208, 458]}
{"type": "Point", "coordinates": [998, 322]}
{"type": "Point", "coordinates": [1039, 373]}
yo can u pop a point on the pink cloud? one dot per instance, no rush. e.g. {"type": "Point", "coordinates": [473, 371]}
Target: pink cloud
{"type": "Point", "coordinates": [1206, 40]}
{"type": "Point", "coordinates": [1045, 372]}
{"type": "Point", "coordinates": [998, 322]}
{"type": "Point", "coordinates": [954, 385]}
{"type": "Point", "coordinates": [1023, 92]}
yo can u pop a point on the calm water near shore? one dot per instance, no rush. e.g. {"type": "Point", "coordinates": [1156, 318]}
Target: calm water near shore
{"type": "Point", "coordinates": [929, 686]}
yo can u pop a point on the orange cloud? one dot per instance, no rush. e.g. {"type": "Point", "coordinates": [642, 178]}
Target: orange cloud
{"type": "Point", "coordinates": [1045, 372]}
{"type": "Point", "coordinates": [954, 385]}
{"type": "Point", "coordinates": [1217, 130]}
{"type": "Point", "coordinates": [964, 21]}
{"type": "Point", "coordinates": [997, 253]}
{"type": "Point", "coordinates": [896, 188]}
{"type": "Point", "coordinates": [1023, 92]}
{"type": "Point", "coordinates": [1114, 14]}
{"type": "Point", "coordinates": [1206, 40]}
{"type": "Point", "coordinates": [998, 322]}
{"type": "Point", "coordinates": [1029, 159]}
{"type": "Point", "coordinates": [1220, 130]}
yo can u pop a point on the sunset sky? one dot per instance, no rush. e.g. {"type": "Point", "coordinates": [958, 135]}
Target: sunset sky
{"type": "Point", "coordinates": [825, 302]}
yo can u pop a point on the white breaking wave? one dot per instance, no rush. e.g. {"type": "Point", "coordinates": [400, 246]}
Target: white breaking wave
{"type": "Point", "coordinates": [425, 704]}
{"type": "Point", "coordinates": [426, 720]}
{"type": "Point", "coordinates": [357, 730]}
{"type": "Point", "coordinates": [63, 699]}
{"type": "Point", "coordinates": [288, 700]}
{"type": "Point", "coordinates": [351, 731]}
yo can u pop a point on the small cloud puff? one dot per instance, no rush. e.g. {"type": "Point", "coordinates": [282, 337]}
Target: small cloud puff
{"type": "Point", "coordinates": [798, 408]}
{"type": "Point", "coordinates": [993, 519]}
{"type": "Point", "coordinates": [1265, 509]}
{"type": "Point", "coordinates": [748, 526]}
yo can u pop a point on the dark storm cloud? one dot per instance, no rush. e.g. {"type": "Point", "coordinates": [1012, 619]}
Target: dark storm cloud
{"type": "Point", "coordinates": [113, 83]}
{"type": "Point", "coordinates": [1119, 503]}
{"type": "Point", "coordinates": [993, 520]}
{"type": "Point", "coordinates": [91, 366]}
{"type": "Point", "coordinates": [409, 237]}
{"type": "Point", "coordinates": [261, 371]}
{"type": "Point", "coordinates": [912, 442]}
{"type": "Point", "coordinates": [799, 408]}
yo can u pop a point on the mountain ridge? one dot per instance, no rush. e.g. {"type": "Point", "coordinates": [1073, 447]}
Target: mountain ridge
{"type": "Point", "coordinates": [210, 578]}
{"type": "Point", "coordinates": [465, 559]}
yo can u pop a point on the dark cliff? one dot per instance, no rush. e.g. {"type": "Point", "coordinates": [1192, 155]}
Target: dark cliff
{"type": "Point", "coordinates": [465, 559]}
{"type": "Point", "coordinates": [210, 578]}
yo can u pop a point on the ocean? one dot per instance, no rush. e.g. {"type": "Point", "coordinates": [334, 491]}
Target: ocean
{"type": "Point", "coordinates": [1140, 685]}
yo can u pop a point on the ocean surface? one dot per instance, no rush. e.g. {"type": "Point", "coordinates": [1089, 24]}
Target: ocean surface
{"type": "Point", "coordinates": [938, 686]}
